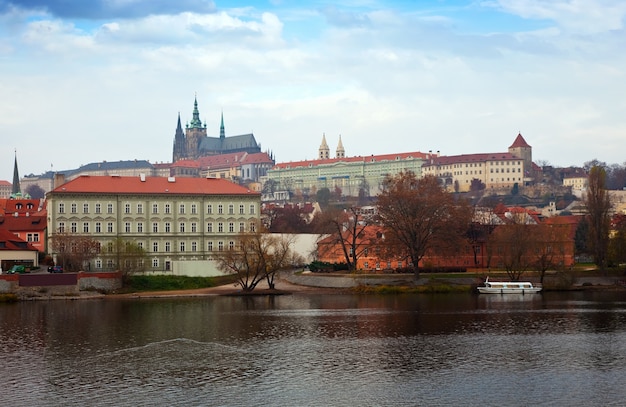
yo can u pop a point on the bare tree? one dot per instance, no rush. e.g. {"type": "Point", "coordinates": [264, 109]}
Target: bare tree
{"type": "Point", "coordinates": [548, 248]}
{"type": "Point", "coordinates": [257, 256]}
{"type": "Point", "coordinates": [418, 215]}
{"type": "Point", "coordinates": [513, 244]}
{"type": "Point", "coordinates": [73, 251]}
{"type": "Point", "coordinates": [598, 205]}
{"type": "Point", "coordinates": [127, 255]}
{"type": "Point", "coordinates": [346, 229]}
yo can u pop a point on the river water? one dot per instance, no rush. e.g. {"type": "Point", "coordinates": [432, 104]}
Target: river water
{"type": "Point", "coordinates": [552, 349]}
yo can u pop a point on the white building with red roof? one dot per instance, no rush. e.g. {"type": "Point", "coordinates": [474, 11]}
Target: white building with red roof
{"type": "Point", "coordinates": [181, 223]}
{"type": "Point", "coordinates": [495, 171]}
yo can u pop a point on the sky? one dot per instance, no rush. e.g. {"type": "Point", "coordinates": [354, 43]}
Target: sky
{"type": "Point", "coordinates": [104, 80]}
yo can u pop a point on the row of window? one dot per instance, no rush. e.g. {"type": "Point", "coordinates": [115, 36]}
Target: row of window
{"type": "Point", "coordinates": [230, 227]}
{"type": "Point", "coordinates": [167, 208]}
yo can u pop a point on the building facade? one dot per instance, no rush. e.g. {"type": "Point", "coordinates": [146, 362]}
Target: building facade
{"type": "Point", "coordinates": [193, 142]}
{"type": "Point", "coordinates": [175, 220]}
{"type": "Point", "coordinates": [351, 175]}
{"type": "Point", "coordinates": [492, 171]}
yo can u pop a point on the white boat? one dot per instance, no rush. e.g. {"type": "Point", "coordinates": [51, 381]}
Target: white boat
{"type": "Point", "coordinates": [508, 287]}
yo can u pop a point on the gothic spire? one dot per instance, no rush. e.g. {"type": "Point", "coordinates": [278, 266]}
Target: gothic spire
{"type": "Point", "coordinates": [222, 131]}
{"type": "Point", "coordinates": [196, 123]}
{"type": "Point", "coordinates": [16, 190]}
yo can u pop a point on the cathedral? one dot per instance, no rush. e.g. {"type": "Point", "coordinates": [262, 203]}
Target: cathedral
{"type": "Point", "coordinates": [193, 142]}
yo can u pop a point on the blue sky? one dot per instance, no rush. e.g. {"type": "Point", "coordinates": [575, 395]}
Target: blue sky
{"type": "Point", "coordinates": [82, 81]}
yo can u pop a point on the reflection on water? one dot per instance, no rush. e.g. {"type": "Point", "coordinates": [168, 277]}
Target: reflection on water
{"type": "Point", "coordinates": [547, 349]}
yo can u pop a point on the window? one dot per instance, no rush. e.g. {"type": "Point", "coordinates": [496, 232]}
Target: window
{"type": "Point", "coordinates": [167, 208]}
{"type": "Point", "coordinates": [155, 263]}
{"type": "Point", "coordinates": [181, 209]}
{"type": "Point", "coordinates": [194, 209]}
{"type": "Point", "coordinates": [127, 208]}
{"type": "Point", "coordinates": [110, 247]}
{"type": "Point", "coordinates": [194, 227]}
{"type": "Point", "coordinates": [220, 209]}
{"type": "Point", "coordinates": [252, 209]}
{"type": "Point", "coordinates": [220, 227]}
{"type": "Point", "coordinates": [220, 246]}
{"type": "Point", "coordinates": [98, 227]}
{"type": "Point", "coordinates": [168, 265]}
{"type": "Point", "coordinates": [209, 227]}
{"type": "Point", "coordinates": [242, 227]}
{"type": "Point", "coordinates": [231, 245]}
{"type": "Point", "coordinates": [168, 246]}
{"type": "Point", "coordinates": [182, 246]}
{"type": "Point", "coordinates": [98, 208]}
{"type": "Point", "coordinates": [209, 246]}
{"type": "Point", "coordinates": [140, 245]}
{"type": "Point", "coordinates": [209, 209]}
{"type": "Point", "coordinates": [252, 226]}
{"type": "Point", "coordinates": [110, 208]}
{"type": "Point", "coordinates": [155, 208]}
{"type": "Point", "coordinates": [110, 227]}
{"type": "Point", "coordinates": [85, 208]}
{"type": "Point", "coordinates": [85, 227]}
{"type": "Point", "coordinates": [61, 227]}
{"type": "Point", "coordinates": [241, 209]}
{"type": "Point", "coordinates": [194, 246]}
{"type": "Point", "coordinates": [139, 227]}
{"type": "Point", "coordinates": [139, 208]}
{"type": "Point", "coordinates": [168, 227]}
{"type": "Point", "coordinates": [231, 227]}
{"type": "Point", "coordinates": [181, 227]}
{"type": "Point", "coordinates": [61, 208]}
{"type": "Point", "coordinates": [110, 263]}
{"type": "Point", "coordinates": [155, 247]}
{"type": "Point", "coordinates": [29, 237]}
{"type": "Point", "coordinates": [73, 227]}
{"type": "Point", "coordinates": [127, 227]}
{"type": "Point", "coordinates": [73, 208]}
{"type": "Point", "coordinates": [98, 264]}
{"type": "Point", "coordinates": [35, 237]}
{"type": "Point", "coordinates": [231, 209]}
{"type": "Point", "coordinates": [155, 227]}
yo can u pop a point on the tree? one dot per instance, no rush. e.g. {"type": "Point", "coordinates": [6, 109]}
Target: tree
{"type": "Point", "coordinates": [73, 251]}
{"type": "Point", "coordinates": [323, 196]}
{"type": "Point", "coordinates": [617, 243]}
{"type": "Point", "coordinates": [513, 243]}
{"type": "Point", "coordinates": [257, 256]}
{"type": "Point", "coordinates": [128, 256]}
{"type": "Point", "coordinates": [288, 219]}
{"type": "Point", "coordinates": [548, 246]}
{"type": "Point", "coordinates": [418, 215]}
{"type": "Point", "coordinates": [598, 203]}
{"type": "Point", "coordinates": [347, 231]}
{"type": "Point", "coordinates": [35, 191]}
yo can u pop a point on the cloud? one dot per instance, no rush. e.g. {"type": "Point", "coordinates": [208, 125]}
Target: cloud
{"type": "Point", "coordinates": [107, 9]}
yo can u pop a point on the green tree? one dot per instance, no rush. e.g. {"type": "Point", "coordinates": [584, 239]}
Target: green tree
{"type": "Point", "coordinates": [598, 203]}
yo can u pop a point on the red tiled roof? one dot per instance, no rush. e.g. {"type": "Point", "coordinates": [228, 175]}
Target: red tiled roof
{"type": "Point", "coordinates": [185, 164]}
{"type": "Point", "coordinates": [371, 158]}
{"type": "Point", "coordinates": [11, 242]}
{"type": "Point", "coordinates": [23, 223]}
{"type": "Point", "coordinates": [152, 185]}
{"type": "Point", "coordinates": [5, 183]}
{"type": "Point", "coordinates": [519, 142]}
{"type": "Point", "coordinates": [469, 158]}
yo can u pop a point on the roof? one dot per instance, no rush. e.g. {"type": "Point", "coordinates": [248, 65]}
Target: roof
{"type": "Point", "coordinates": [233, 159]}
{"type": "Point", "coordinates": [114, 165]}
{"type": "Point", "coordinates": [519, 142]}
{"type": "Point", "coordinates": [8, 241]}
{"type": "Point", "coordinates": [23, 223]}
{"type": "Point", "coordinates": [88, 184]}
{"type": "Point", "coordinates": [372, 158]}
{"type": "Point", "coordinates": [244, 141]}
{"type": "Point", "coordinates": [5, 183]}
{"type": "Point", "coordinates": [470, 158]}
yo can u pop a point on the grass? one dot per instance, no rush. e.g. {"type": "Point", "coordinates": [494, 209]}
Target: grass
{"type": "Point", "coordinates": [169, 283]}
{"type": "Point", "coordinates": [404, 289]}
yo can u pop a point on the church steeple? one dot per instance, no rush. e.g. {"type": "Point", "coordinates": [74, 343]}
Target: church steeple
{"type": "Point", "coordinates": [179, 143]}
{"type": "Point", "coordinates": [222, 131]}
{"type": "Point", "coordinates": [324, 151]}
{"type": "Point", "coordinates": [340, 152]}
{"type": "Point", "coordinates": [196, 123]}
{"type": "Point", "coordinates": [16, 191]}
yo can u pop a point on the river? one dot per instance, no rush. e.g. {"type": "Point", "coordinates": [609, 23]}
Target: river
{"type": "Point", "coordinates": [550, 349]}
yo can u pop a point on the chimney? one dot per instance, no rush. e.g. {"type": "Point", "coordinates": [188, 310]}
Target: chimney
{"type": "Point", "coordinates": [59, 179]}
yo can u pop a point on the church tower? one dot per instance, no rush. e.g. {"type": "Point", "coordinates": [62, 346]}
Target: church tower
{"type": "Point", "coordinates": [324, 151]}
{"type": "Point", "coordinates": [180, 143]}
{"type": "Point", "coordinates": [196, 131]}
{"type": "Point", "coordinates": [340, 152]}
{"type": "Point", "coordinates": [16, 191]}
{"type": "Point", "coordinates": [222, 130]}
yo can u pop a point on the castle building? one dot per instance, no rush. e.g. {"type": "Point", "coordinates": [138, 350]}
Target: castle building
{"type": "Point", "coordinates": [193, 142]}
{"type": "Point", "coordinates": [494, 171]}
